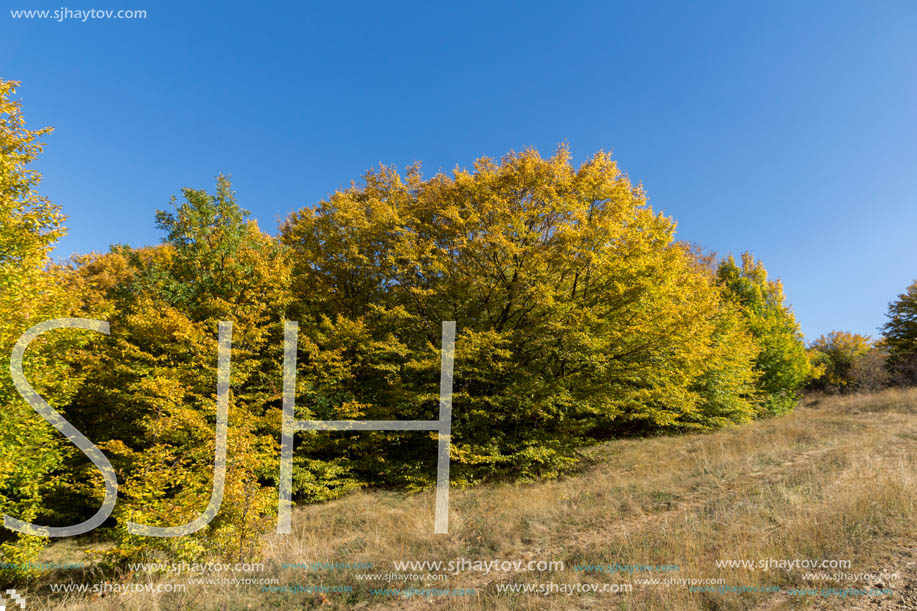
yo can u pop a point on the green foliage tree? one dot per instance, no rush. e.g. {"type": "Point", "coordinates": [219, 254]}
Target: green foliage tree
{"type": "Point", "coordinates": [729, 382]}
{"type": "Point", "coordinates": [149, 398]}
{"type": "Point", "coordinates": [900, 339]}
{"type": "Point", "coordinates": [782, 363]}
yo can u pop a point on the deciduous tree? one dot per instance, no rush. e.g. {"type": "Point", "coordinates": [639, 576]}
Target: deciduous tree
{"type": "Point", "coordinates": [782, 363]}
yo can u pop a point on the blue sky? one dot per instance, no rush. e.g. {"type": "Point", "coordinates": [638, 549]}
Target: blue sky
{"type": "Point", "coordinates": [787, 129]}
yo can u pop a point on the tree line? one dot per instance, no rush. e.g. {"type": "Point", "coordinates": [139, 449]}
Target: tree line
{"type": "Point", "coordinates": [845, 362]}
{"type": "Point", "coordinates": [580, 317]}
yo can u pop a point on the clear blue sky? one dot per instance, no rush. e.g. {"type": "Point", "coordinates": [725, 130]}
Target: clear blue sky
{"type": "Point", "coordinates": [787, 129]}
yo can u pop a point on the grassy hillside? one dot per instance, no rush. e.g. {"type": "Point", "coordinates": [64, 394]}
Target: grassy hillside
{"type": "Point", "coordinates": [836, 480]}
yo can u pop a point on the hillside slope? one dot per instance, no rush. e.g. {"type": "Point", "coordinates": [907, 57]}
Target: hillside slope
{"type": "Point", "coordinates": [834, 481]}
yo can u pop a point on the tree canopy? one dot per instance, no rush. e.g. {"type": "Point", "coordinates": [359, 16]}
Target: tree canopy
{"type": "Point", "coordinates": [781, 363]}
{"type": "Point", "coordinates": [579, 317]}
{"type": "Point", "coordinates": [900, 332]}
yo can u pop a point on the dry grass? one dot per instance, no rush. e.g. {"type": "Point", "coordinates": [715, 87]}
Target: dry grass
{"type": "Point", "coordinates": [835, 480]}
